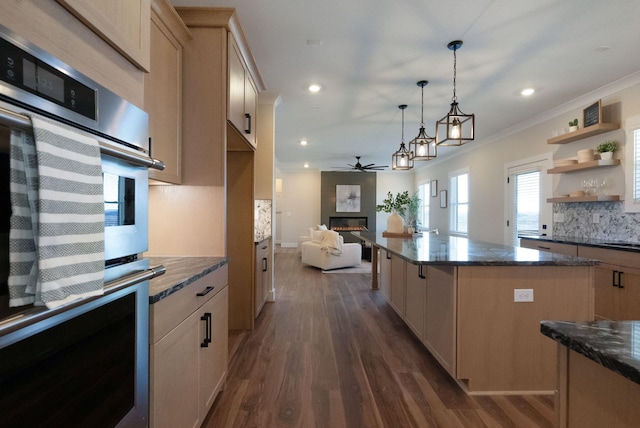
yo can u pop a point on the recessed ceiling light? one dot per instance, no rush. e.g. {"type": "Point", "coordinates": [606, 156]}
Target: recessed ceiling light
{"type": "Point", "coordinates": [314, 87]}
{"type": "Point", "coordinates": [306, 165]}
{"type": "Point", "coordinates": [527, 92]}
{"type": "Point", "coordinates": [303, 142]}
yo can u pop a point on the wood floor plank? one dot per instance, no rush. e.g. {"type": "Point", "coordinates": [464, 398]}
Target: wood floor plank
{"type": "Point", "coordinates": [330, 352]}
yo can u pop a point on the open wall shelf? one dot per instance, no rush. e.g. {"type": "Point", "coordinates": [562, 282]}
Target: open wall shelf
{"type": "Point", "coordinates": [584, 166]}
{"type": "Point", "coordinates": [601, 198]}
{"type": "Point", "coordinates": [587, 132]}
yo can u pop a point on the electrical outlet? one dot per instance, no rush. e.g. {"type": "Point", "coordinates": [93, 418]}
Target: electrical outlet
{"type": "Point", "coordinates": [523, 295]}
{"type": "Point", "coordinates": [558, 217]}
{"type": "Point", "coordinates": [596, 218]}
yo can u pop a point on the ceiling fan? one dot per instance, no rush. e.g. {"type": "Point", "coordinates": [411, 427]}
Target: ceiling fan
{"type": "Point", "coordinates": [359, 167]}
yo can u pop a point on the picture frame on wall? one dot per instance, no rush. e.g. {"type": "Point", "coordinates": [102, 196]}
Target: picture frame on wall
{"type": "Point", "coordinates": [443, 199]}
{"type": "Point", "coordinates": [348, 198]}
{"type": "Point", "coordinates": [592, 115]}
{"type": "Point", "coordinates": [434, 188]}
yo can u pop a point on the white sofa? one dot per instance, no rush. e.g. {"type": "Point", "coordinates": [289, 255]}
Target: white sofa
{"type": "Point", "coordinates": [315, 253]}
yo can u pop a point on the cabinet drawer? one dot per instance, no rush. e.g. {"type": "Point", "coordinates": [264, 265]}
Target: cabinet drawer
{"type": "Point", "coordinates": [171, 311]}
{"type": "Point", "coordinates": [612, 257]}
{"type": "Point", "coordinates": [552, 247]}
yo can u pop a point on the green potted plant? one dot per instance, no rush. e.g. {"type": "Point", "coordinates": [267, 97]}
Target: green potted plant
{"type": "Point", "coordinates": [606, 149]}
{"type": "Point", "coordinates": [394, 204]}
{"type": "Point", "coordinates": [573, 125]}
{"type": "Point", "coordinates": [409, 212]}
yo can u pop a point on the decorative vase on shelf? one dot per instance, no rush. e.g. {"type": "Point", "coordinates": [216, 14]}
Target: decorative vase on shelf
{"type": "Point", "coordinates": [606, 155]}
{"type": "Point", "coordinates": [395, 223]}
{"type": "Point", "coordinates": [573, 128]}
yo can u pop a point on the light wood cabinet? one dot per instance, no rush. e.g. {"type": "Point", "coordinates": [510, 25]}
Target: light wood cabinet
{"type": "Point", "coordinates": [163, 90]}
{"type": "Point", "coordinates": [440, 315]}
{"type": "Point", "coordinates": [385, 273]}
{"type": "Point", "coordinates": [416, 295]}
{"type": "Point", "coordinates": [551, 247]}
{"type": "Point", "coordinates": [617, 283]}
{"type": "Point", "coordinates": [398, 284]}
{"type": "Point", "coordinates": [242, 95]}
{"type": "Point", "coordinates": [188, 351]}
{"type": "Point", "coordinates": [124, 24]}
{"type": "Point", "coordinates": [263, 269]}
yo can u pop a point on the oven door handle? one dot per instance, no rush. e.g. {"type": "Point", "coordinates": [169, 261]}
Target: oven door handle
{"type": "Point", "coordinates": [20, 121]}
{"type": "Point", "coordinates": [137, 277]}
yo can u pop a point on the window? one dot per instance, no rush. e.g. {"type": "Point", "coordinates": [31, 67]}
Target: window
{"type": "Point", "coordinates": [632, 149]}
{"type": "Point", "coordinates": [527, 204]}
{"type": "Point", "coordinates": [459, 202]}
{"type": "Point", "coordinates": [423, 212]}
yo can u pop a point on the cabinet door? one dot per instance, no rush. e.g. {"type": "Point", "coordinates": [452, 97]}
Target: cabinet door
{"type": "Point", "coordinates": [163, 101]}
{"type": "Point", "coordinates": [250, 110]}
{"type": "Point", "coordinates": [261, 268]}
{"type": "Point", "coordinates": [629, 306]}
{"type": "Point", "coordinates": [385, 274]}
{"type": "Point", "coordinates": [416, 295]}
{"type": "Point", "coordinates": [124, 24]}
{"type": "Point", "coordinates": [236, 93]}
{"type": "Point", "coordinates": [440, 330]}
{"type": "Point", "coordinates": [213, 358]}
{"type": "Point", "coordinates": [398, 278]}
{"type": "Point", "coordinates": [174, 377]}
{"type": "Point", "coordinates": [606, 295]}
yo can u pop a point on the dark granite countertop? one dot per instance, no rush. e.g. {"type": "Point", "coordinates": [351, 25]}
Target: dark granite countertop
{"type": "Point", "coordinates": [444, 249]}
{"type": "Point", "coordinates": [613, 344]}
{"type": "Point", "coordinates": [181, 271]}
{"type": "Point", "coordinates": [589, 242]}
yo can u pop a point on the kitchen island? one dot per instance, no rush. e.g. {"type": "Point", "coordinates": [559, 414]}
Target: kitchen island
{"type": "Point", "coordinates": [477, 306]}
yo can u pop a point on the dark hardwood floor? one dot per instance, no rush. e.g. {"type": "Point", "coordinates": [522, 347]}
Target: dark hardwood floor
{"type": "Point", "coordinates": [332, 353]}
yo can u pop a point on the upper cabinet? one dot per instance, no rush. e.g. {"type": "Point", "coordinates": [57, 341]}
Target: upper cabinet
{"type": "Point", "coordinates": [128, 34]}
{"type": "Point", "coordinates": [242, 95]}
{"type": "Point", "coordinates": [163, 90]}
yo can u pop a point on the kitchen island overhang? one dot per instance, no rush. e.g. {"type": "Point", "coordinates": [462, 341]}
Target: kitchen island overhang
{"type": "Point", "coordinates": [477, 306]}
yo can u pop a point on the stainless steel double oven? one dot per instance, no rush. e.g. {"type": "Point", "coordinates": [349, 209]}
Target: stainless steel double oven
{"type": "Point", "coordinates": [84, 363]}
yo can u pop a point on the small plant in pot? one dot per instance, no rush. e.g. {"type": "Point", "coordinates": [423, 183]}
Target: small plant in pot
{"type": "Point", "coordinates": [395, 206]}
{"type": "Point", "coordinates": [573, 125]}
{"type": "Point", "coordinates": [606, 149]}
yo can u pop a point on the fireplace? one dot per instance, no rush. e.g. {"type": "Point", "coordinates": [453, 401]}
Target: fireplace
{"type": "Point", "coordinates": [348, 224]}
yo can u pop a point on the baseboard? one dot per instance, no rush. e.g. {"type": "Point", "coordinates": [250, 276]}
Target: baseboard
{"type": "Point", "coordinates": [288, 245]}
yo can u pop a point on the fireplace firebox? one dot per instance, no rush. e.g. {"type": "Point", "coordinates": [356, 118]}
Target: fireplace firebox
{"type": "Point", "coordinates": [348, 224]}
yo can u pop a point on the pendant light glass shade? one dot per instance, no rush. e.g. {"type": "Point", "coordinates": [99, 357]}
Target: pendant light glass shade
{"type": "Point", "coordinates": [401, 160]}
{"type": "Point", "coordinates": [422, 147]}
{"type": "Point", "coordinates": [456, 128]}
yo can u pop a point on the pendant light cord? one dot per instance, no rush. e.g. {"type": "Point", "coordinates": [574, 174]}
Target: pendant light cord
{"type": "Point", "coordinates": [422, 109]}
{"type": "Point", "coordinates": [454, 98]}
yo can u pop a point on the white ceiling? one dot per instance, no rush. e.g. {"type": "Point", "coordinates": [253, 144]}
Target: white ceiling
{"type": "Point", "coordinates": [372, 53]}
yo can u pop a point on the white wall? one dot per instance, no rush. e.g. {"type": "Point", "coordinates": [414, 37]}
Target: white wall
{"type": "Point", "coordinates": [300, 204]}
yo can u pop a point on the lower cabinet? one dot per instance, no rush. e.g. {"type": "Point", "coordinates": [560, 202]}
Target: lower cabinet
{"type": "Point", "coordinates": [551, 247]}
{"type": "Point", "coordinates": [617, 283]}
{"type": "Point", "coordinates": [384, 259]}
{"type": "Point", "coordinates": [416, 294]}
{"type": "Point", "coordinates": [263, 269]}
{"type": "Point", "coordinates": [398, 278]}
{"type": "Point", "coordinates": [440, 315]}
{"type": "Point", "coordinates": [188, 351]}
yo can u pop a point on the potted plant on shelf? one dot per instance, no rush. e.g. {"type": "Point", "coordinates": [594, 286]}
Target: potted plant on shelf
{"type": "Point", "coordinates": [394, 204]}
{"type": "Point", "coordinates": [573, 125]}
{"type": "Point", "coordinates": [409, 212]}
{"type": "Point", "coordinates": [606, 149]}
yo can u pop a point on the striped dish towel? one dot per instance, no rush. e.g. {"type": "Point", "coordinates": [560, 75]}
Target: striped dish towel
{"type": "Point", "coordinates": [68, 229]}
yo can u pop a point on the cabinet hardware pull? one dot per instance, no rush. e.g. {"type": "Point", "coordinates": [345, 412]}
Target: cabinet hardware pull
{"type": "Point", "coordinates": [420, 274]}
{"type": "Point", "coordinates": [264, 264]}
{"type": "Point", "coordinates": [620, 280]}
{"type": "Point", "coordinates": [206, 291]}
{"type": "Point", "coordinates": [544, 248]}
{"type": "Point", "coordinates": [388, 256]}
{"type": "Point", "coordinates": [207, 326]}
{"type": "Point", "coordinates": [248, 129]}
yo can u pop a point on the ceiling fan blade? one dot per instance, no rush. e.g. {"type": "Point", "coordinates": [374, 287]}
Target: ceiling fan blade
{"type": "Point", "coordinates": [367, 166]}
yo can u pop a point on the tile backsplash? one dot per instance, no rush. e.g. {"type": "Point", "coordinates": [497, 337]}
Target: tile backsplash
{"type": "Point", "coordinates": [262, 218]}
{"type": "Point", "coordinates": [613, 223]}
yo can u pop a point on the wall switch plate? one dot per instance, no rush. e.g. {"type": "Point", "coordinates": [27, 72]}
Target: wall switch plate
{"type": "Point", "coordinates": [523, 295]}
{"type": "Point", "coordinates": [558, 217]}
{"type": "Point", "coordinates": [596, 217]}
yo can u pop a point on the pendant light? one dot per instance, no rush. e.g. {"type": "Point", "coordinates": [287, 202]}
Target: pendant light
{"type": "Point", "coordinates": [401, 160]}
{"type": "Point", "coordinates": [456, 128]}
{"type": "Point", "coordinates": [422, 147]}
